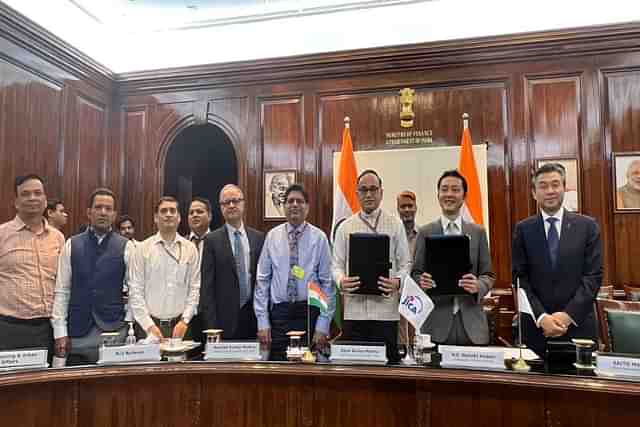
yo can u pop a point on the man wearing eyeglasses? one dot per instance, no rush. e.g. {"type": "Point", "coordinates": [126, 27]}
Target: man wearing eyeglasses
{"type": "Point", "coordinates": [295, 254]}
{"type": "Point", "coordinates": [229, 259]}
{"type": "Point", "coordinates": [372, 318]}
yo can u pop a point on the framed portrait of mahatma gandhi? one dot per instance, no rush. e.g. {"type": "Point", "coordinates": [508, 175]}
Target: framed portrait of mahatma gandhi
{"type": "Point", "coordinates": [626, 178]}
{"type": "Point", "coordinates": [276, 183]}
{"type": "Point", "coordinates": [572, 191]}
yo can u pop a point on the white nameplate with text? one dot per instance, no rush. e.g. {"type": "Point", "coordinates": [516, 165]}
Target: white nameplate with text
{"type": "Point", "coordinates": [472, 357]}
{"type": "Point", "coordinates": [23, 359]}
{"type": "Point", "coordinates": [130, 353]}
{"type": "Point", "coordinates": [358, 353]}
{"type": "Point", "coordinates": [249, 350]}
{"type": "Point", "coordinates": [618, 366]}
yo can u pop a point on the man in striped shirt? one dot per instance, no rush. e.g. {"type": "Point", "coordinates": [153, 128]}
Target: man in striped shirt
{"type": "Point", "coordinates": [29, 249]}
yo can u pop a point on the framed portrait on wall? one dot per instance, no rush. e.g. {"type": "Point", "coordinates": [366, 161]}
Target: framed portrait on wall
{"type": "Point", "coordinates": [626, 178]}
{"type": "Point", "coordinates": [572, 192]}
{"type": "Point", "coordinates": [276, 183]}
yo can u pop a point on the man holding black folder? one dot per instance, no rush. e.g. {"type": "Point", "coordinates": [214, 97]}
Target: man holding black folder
{"type": "Point", "coordinates": [460, 319]}
{"type": "Point", "coordinates": [368, 317]}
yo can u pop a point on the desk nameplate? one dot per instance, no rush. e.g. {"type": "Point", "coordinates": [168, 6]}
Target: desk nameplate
{"type": "Point", "coordinates": [358, 353]}
{"type": "Point", "coordinates": [249, 350]}
{"type": "Point", "coordinates": [23, 359]}
{"type": "Point", "coordinates": [472, 357]}
{"type": "Point", "coordinates": [616, 365]}
{"type": "Point", "coordinates": [130, 354]}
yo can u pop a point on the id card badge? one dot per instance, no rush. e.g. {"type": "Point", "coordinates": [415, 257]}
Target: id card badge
{"type": "Point", "coordinates": [297, 272]}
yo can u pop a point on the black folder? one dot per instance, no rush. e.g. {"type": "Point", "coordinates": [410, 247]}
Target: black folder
{"type": "Point", "coordinates": [369, 259]}
{"type": "Point", "coordinates": [447, 259]}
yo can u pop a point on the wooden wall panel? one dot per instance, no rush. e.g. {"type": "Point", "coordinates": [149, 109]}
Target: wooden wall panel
{"type": "Point", "coordinates": [439, 109]}
{"type": "Point", "coordinates": [30, 131]}
{"type": "Point", "coordinates": [282, 141]}
{"type": "Point", "coordinates": [135, 125]}
{"type": "Point", "coordinates": [554, 116]}
{"type": "Point", "coordinates": [622, 115]}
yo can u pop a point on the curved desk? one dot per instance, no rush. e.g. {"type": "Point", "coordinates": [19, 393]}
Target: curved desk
{"type": "Point", "coordinates": [236, 394]}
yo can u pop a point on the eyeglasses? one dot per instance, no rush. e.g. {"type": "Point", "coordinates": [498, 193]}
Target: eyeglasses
{"type": "Point", "coordinates": [230, 201]}
{"type": "Point", "coordinates": [295, 201]}
{"type": "Point", "coordinates": [364, 190]}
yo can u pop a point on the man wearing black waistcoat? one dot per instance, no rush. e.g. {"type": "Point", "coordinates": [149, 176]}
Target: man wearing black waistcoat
{"type": "Point", "coordinates": [557, 256]}
{"type": "Point", "coordinates": [91, 272]}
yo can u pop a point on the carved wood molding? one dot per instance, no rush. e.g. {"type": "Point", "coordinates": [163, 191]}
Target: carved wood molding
{"type": "Point", "coordinates": [589, 384]}
{"type": "Point", "coordinates": [36, 40]}
{"type": "Point", "coordinates": [485, 50]}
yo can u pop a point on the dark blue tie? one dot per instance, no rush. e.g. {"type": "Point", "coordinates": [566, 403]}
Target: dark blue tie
{"type": "Point", "coordinates": [553, 240]}
{"type": "Point", "coordinates": [245, 292]}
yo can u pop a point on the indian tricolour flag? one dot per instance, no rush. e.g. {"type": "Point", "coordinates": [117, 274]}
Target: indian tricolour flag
{"type": "Point", "coordinates": [317, 298]}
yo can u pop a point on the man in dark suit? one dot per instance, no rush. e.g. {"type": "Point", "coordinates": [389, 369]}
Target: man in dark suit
{"type": "Point", "coordinates": [229, 260]}
{"type": "Point", "coordinates": [456, 320]}
{"type": "Point", "coordinates": [557, 255]}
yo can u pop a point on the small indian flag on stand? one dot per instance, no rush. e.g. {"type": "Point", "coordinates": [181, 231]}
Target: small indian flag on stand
{"type": "Point", "coordinates": [317, 298]}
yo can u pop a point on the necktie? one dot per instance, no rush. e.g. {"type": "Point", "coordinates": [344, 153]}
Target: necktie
{"type": "Point", "coordinates": [452, 229]}
{"type": "Point", "coordinates": [241, 267]}
{"type": "Point", "coordinates": [292, 283]}
{"type": "Point", "coordinates": [196, 240]}
{"type": "Point", "coordinates": [553, 240]}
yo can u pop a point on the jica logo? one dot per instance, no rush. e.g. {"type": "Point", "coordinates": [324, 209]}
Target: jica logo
{"type": "Point", "coordinates": [413, 304]}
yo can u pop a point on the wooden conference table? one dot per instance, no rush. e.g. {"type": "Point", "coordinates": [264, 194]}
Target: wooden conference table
{"type": "Point", "coordinates": [279, 394]}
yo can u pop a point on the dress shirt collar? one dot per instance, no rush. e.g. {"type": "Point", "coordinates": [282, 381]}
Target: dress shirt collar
{"type": "Point", "coordinates": [370, 216]}
{"type": "Point", "coordinates": [18, 224]}
{"type": "Point", "coordinates": [99, 237]}
{"type": "Point", "coordinates": [445, 223]}
{"type": "Point", "coordinates": [231, 229]}
{"type": "Point", "coordinates": [192, 235]}
{"type": "Point", "coordinates": [290, 228]}
{"type": "Point", "coordinates": [157, 238]}
{"type": "Point", "coordinates": [558, 215]}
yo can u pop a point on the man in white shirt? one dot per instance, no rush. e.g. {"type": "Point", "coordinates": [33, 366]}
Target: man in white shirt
{"type": "Point", "coordinates": [88, 296]}
{"type": "Point", "coordinates": [164, 277]}
{"type": "Point", "coordinates": [199, 220]}
{"type": "Point", "coordinates": [372, 317]}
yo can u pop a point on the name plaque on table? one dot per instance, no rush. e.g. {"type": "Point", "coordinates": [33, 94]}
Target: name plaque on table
{"type": "Point", "coordinates": [618, 365]}
{"type": "Point", "coordinates": [23, 359]}
{"type": "Point", "coordinates": [130, 353]}
{"type": "Point", "coordinates": [472, 357]}
{"type": "Point", "coordinates": [249, 350]}
{"type": "Point", "coordinates": [358, 353]}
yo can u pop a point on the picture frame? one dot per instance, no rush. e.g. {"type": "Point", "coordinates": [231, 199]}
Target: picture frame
{"type": "Point", "coordinates": [626, 182]}
{"type": "Point", "coordinates": [572, 199]}
{"type": "Point", "coordinates": [276, 182]}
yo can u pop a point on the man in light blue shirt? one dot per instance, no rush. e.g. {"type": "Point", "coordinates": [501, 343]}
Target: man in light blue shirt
{"type": "Point", "coordinates": [294, 255]}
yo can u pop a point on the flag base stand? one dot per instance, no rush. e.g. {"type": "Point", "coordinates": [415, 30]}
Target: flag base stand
{"type": "Point", "coordinates": [521, 365]}
{"type": "Point", "coordinates": [308, 357]}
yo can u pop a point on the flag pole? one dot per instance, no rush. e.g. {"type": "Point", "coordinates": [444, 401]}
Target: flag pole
{"type": "Point", "coordinates": [521, 365]}
{"type": "Point", "coordinates": [465, 121]}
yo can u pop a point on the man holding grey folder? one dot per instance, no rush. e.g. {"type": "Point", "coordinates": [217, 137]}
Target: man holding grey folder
{"type": "Point", "coordinates": [369, 317]}
{"type": "Point", "coordinates": [459, 319]}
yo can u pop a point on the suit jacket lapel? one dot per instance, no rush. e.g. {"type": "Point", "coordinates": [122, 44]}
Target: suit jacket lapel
{"type": "Point", "coordinates": [541, 241]}
{"type": "Point", "coordinates": [565, 230]}
{"type": "Point", "coordinates": [227, 249]}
